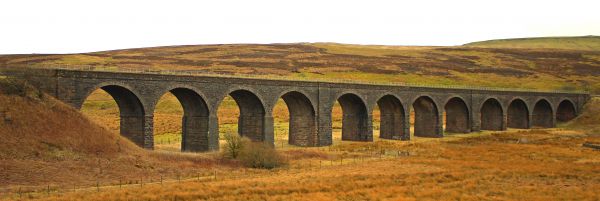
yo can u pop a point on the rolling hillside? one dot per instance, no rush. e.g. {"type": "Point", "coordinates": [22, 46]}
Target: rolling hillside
{"type": "Point", "coordinates": [547, 69]}
{"type": "Point", "coordinates": [588, 43]}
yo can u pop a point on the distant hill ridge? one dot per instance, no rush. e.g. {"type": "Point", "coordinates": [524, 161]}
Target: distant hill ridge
{"type": "Point", "coordinates": [591, 43]}
{"type": "Point", "coordinates": [553, 63]}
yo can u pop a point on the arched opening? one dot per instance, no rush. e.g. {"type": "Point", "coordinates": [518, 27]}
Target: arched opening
{"type": "Point", "coordinates": [167, 123]}
{"type": "Point", "coordinates": [102, 109]}
{"type": "Point", "coordinates": [251, 115]}
{"type": "Point", "coordinates": [457, 116]}
{"type": "Point", "coordinates": [391, 118]}
{"type": "Point", "coordinates": [336, 122]}
{"type": "Point", "coordinates": [565, 111]}
{"type": "Point", "coordinates": [193, 123]}
{"type": "Point", "coordinates": [426, 118]}
{"type": "Point", "coordinates": [281, 123]}
{"type": "Point", "coordinates": [518, 114]}
{"type": "Point", "coordinates": [129, 122]}
{"type": "Point", "coordinates": [542, 114]}
{"type": "Point", "coordinates": [355, 125]}
{"type": "Point", "coordinates": [228, 113]}
{"type": "Point", "coordinates": [492, 117]}
{"type": "Point", "coordinates": [301, 119]}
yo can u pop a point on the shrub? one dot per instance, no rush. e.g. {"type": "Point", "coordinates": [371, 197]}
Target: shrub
{"type": "Point", "coordinates": [260, 155]}
{"type": "Point", "coordinates": [233, 145]}
{"type": "Point", "coordinates": [18, 87]}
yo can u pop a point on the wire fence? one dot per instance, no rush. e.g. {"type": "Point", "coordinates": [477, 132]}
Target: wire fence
{"type": "Point", "coordinates": [205, 73]}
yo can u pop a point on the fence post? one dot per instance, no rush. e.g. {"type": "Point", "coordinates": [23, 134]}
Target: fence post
{"type": "Point", "coordinates": [97, 186]}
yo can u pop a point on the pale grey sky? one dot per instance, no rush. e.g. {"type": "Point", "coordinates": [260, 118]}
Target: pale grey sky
{"type": "Point", "coordinates": [65, 26]}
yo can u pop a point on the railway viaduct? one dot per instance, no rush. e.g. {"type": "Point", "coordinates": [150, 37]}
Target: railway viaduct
{"type": "Point", "coordinates": [310, 105]}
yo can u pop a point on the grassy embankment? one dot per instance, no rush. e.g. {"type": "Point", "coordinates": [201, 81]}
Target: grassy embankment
{"type": "Point", "coordinates": [45, 142]}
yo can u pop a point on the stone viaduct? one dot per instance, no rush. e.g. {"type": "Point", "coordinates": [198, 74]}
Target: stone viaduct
{"type": "Point", "coordinates": [310, 105]}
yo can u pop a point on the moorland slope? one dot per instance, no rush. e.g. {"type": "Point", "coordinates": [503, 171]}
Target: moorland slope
{"type": "Point", "coordinates": [569, 65]}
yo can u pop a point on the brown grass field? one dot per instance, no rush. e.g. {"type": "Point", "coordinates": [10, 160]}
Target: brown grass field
{"type": "Point", "coordinates": [538, 164]}
{"type": "Point", "coordinates": [551, 165]}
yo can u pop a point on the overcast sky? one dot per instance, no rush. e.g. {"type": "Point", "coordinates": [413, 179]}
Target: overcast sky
{"type": "Point", "coordinates": [62, 26]}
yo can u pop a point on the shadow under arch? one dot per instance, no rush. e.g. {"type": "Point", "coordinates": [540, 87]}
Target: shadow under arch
{"type": "Point", "coordinates": [457, 116]}
{"type": "Point", "coordinates": [392, 122]}
{"type": "Point", "coordinates": [565, 111]}
{"type": "Point", "coordinates": [251, 121]}
{"type": "Point", "coordinates": [542, 114]}
{"type": "Point", "coordinates": [355, 118]}
{"type": "Point", "coordinates": [195, 120]}
{"type": "Point", "coordinates": [518, 114]}
{"type": "Point", "coordinates": [302, 119]}
{"type": "Point", "coordinates": [427, 122]}
{"type": "Point", "coordinates": [492, 115]}
{"type": "Point", "coordinates": [132, 119]}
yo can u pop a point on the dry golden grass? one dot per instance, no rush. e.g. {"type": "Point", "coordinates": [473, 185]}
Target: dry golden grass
{"type": "Point", "coordinates": [515, 165]}
{"type": "Point", "coordinates": [541, 164]}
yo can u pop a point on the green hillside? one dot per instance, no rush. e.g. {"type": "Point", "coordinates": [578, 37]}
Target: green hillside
{"type": "Point", "coordinates": [591, 43]}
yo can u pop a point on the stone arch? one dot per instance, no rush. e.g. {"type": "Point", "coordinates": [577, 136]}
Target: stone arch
{"type": "Point", "coordinates": [427, 122]}
{"type": "Point", "coordinates": [457, 116]}
{"type": "Point", "coordinates": [542, 114]}
{"type": "Point", "coordinates": [195, 120]}
{"type": "Point", "coordinates": [132, 114]}
{"type": "Point", "coordinates": [355, 120]}
{"type": "Point", "coordinates": [300, 91]}
{"type": "Point", "coordinates": [492, 115]}
{"type": "Point", "coordinates": [88, 91]}
{"type": "Point", "coordinates": [565, 111]}
{"type": "Point", "coordinates": [302, 123]}
{"type": "Point", "coordinates": [518, 114]}
{"type": "Point", "coordinates": [251, 122]}
{"type": "Point", "coordinates": [392, 120]}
